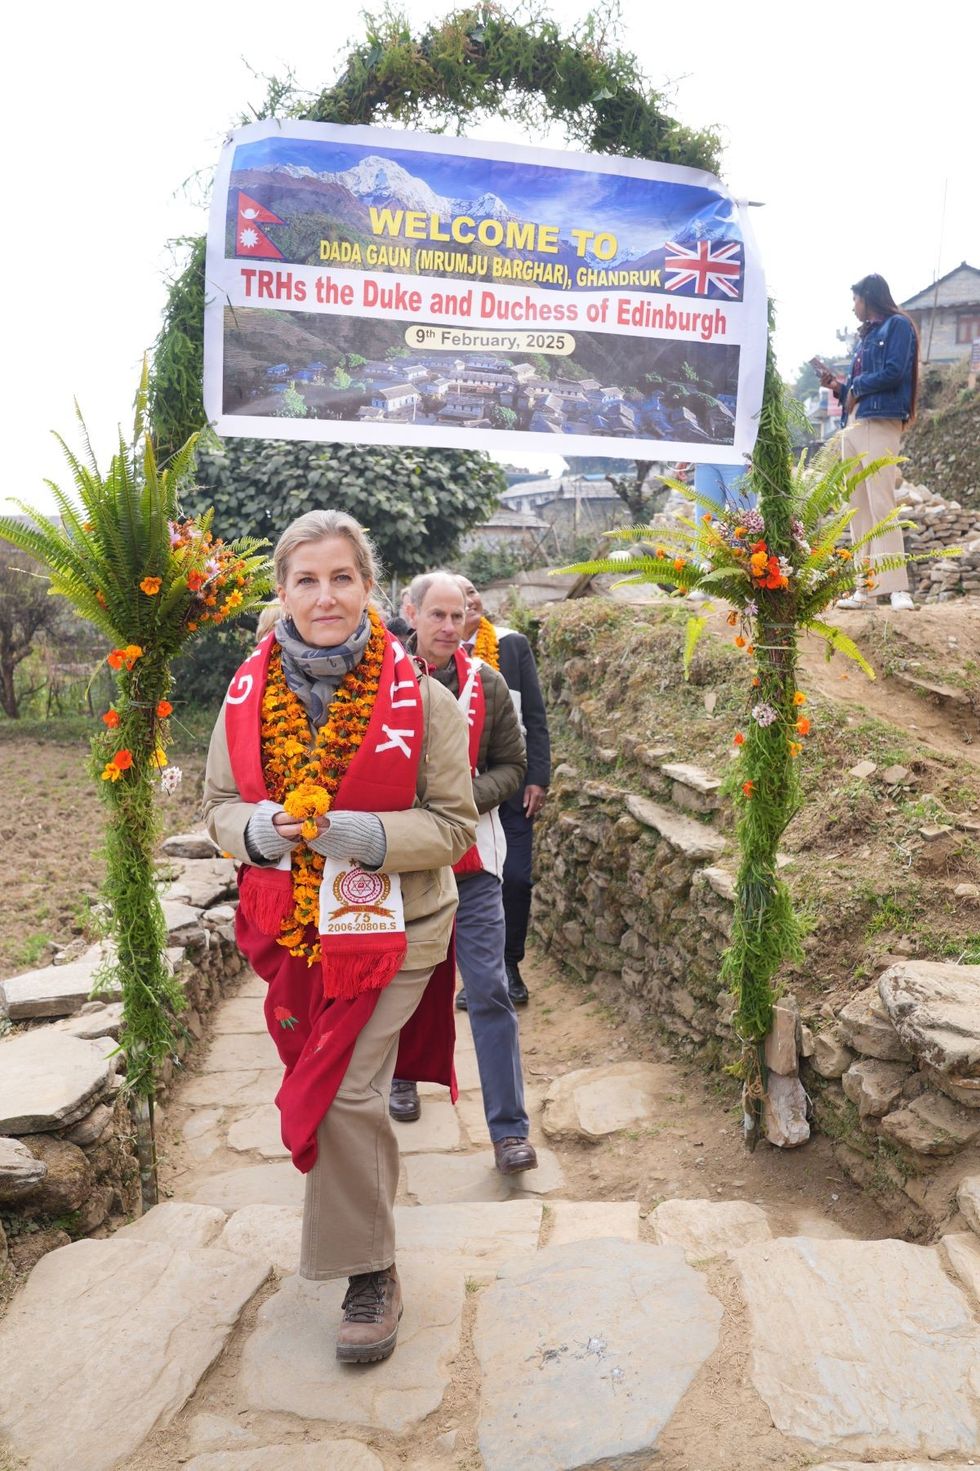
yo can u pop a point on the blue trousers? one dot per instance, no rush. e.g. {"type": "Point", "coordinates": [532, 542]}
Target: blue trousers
{"type": "Point", "coordinates": [480, 958]}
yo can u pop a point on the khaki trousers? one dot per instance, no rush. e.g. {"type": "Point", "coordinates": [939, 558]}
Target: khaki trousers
{"type": "Point", "coordinates": [875, 497]}
{"type": "Point", "coordinates": [349, 1212]}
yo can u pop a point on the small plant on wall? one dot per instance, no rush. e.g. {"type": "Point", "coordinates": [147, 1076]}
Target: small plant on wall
{"type": "Point", "coordinates": [149, 578]}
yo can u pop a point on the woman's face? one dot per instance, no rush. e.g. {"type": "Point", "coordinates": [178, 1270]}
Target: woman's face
{"type": "Point", "coordinates": [474, 606]}
{"type": "Point", "coordinates": [324, 593]}
{"type": "Point", "coordinates": [860, 308]}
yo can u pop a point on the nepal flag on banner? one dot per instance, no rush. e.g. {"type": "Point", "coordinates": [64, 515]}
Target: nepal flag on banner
{"type": "Point", "coordinates": [249, 239]}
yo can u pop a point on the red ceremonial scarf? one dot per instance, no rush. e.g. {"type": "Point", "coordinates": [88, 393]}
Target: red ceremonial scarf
{"type": "Point", "coordinates": [473, 703]}
{"type": "Point", "coordinates": [315, 1013]}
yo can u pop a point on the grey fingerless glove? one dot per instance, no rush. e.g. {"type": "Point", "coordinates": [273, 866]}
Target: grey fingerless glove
{"type": "Point", "coordinates": [357, 835]}
{"type": "Point", "coordinates": [264, 844]}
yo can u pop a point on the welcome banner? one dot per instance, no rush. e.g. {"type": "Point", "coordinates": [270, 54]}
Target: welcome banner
{"type": "Point", "coordinates": [397, 288]}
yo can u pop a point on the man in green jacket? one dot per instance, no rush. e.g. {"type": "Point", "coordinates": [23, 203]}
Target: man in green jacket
{"type": "Point", "coordinates": [436, 608]}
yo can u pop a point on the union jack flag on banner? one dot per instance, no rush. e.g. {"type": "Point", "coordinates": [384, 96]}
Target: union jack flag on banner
{"type": "Point", "coordinates": [704, 266]}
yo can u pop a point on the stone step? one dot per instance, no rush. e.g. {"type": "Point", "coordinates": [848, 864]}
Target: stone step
{"type": "Point", "coordinates": [288, 1366]}
{"type": "Point", "coordinates": [692, 839]}
{"type": "Point", "coordinates": [896, 1341]}
{"type": "Point", "coordinates": [49, 1080]}
{"type": "Point", "coordinates": [108, 1340]}
{"type": "Point", "coordinates": [54, 990]}
{"type": "Point", "coordinates": [693, 788]}
{"type": "Point", "coordinates": [626, 1329]}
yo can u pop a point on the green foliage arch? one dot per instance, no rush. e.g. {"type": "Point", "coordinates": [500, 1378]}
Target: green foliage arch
{"type": "Point", "coordinates": [477, 62]}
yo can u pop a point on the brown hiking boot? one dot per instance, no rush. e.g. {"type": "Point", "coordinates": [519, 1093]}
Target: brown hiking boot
{"type": "Point", "coordinates": [511, 1156]}
{"type": "Point", "coordinates": [372, 1308]}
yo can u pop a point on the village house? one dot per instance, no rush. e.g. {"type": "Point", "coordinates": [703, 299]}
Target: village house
{"type": "Point", "coordinates": [400, 399]}
{"type": "Point", "coordinates": [947, 315]}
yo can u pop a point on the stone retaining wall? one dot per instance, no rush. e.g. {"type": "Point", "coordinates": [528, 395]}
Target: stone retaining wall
{"type": "Point", "coordinates": [635, 895]}
{"type": "Point", "coordinates": [67, 1160]}
{"type": "Point", "coordinates": [941, 523]}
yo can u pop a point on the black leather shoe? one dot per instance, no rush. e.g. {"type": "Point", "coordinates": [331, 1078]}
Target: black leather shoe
{"type": "Point", "coordinates": [516, 989]}
{"type": "Point", "coordinates": [403, 1103]}
{"type": "Point", "coordinates": [461, 1002]}
{"type": "Point", "coordinates": [513, 1156]}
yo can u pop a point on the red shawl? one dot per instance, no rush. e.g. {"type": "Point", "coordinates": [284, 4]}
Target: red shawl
{"type": "Point", "coordinates": [315, 1032]}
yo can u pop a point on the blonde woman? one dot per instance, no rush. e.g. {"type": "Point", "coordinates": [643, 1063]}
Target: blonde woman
{"type": "Point", "coordinates": [340, 780]}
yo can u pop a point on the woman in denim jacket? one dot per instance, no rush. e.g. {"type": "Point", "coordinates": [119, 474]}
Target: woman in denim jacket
{"type": "Point", "coordinates": [879, 400]}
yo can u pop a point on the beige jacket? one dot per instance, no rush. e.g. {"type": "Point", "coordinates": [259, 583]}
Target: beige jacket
{"type": "Point", "coordinates": [423, 842]}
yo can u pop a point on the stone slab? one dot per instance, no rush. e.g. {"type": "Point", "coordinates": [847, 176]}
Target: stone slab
{"type": "Point", "coordinates": [874, 1086]}
{"type": "Point", "coordinates": [321, 1455]}
{"type": "Point", "coordinates": [607, 1343]}
{"type": "Point", "coordinates": [177, 1223]}
{"type": "Point", "coordinates": [235, 1088]}
{"type": "Point", "coordinates": [274, 1184]}
{"type": "Point", "coordinates": [895, 1466]}
{"type": "Point", "coordinates": [135, 1324]}
{"type": "Point", "coordinates": [101, 1021]}
{"type": "Point", "coordinates": [253, 986]}
{"type": "Point", "coordinates": [207, 1432]}
{"type": "Point", "coordinates": [259, 1132]}
{"type": "Point", "coordinates": [183, 921]}
{"type": "Point", "coordinates": [888, 1361]}
{"type": "Point", "coordinates": [233, 1052]}
{"type": "Point", "coordinates": [266, 1233]}
{"type": "Point", "coordinates": [289, 1364]}
{"type": "Point", "coordinates": [20, 1171]}
{"type": "Point", "coordinates": [708, 1228]}
{"type": "Point", "coordinates": [592, 1103]}
{"type": "Point", "coordinates": [442, 1179]}
{"type": "Point", "coordinates": [189, 845]}
{"type": "Point", "coordinates": [204, 882]}
{"type": "Point", "coordinates": [592, 1220]}
{"type": "Point", "coordinates": [48, 1080]}
{"type": "Point", "coordinates": [479, 1237]}
{"type": "Point", "coordinates": [438, 1128]}
{"type": "Point", "coordinates": [54, 990]}
{"type": "Point", "coordinates": [932, 1124]}
{"type": "Point", "coordinates": [935, 1006]}
{"type": "Point", "coordinates": [866, 1026]}
{"type": "Point", "coordinates": [240, 1014]}
{"type": "Point", "coordinates": [692, 839]}
{"type": "Point", "coordinates": [968, 1200]}
{"type": "Point", "coordinates": [961, 1252]}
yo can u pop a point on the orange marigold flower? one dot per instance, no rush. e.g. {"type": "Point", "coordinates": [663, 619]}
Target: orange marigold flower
{"type": "Point", "coordinates": [732, 618]}
{"type": "Point", "coordinates": [130, 654]}
{"type": "Point", "coordinates": [739, 531]}
{"type": "Point", "coordinates": [843, 553]}
{"type": "Point", "coordinates": [750, 649]}
{"type": "Point", "coordinates": [164, 708]}
{"type": "Point", "coordinates": [679, 564]}
{"type": "Point", "coordinates": [794, 749]}
{"type": "Point", "coordinates": [111, 772]}
{"type": "Point", "coordinates": [233, 600]}
{"type": "Point", "coordinates": [195, 580]}
{"type": "Point", "coordinates": [660, 551]}
{"type": "Point", "coordinates": [739, 641]}
{"type": "Point", "coordinates": [151, 586]}
{"type": "Point", "coordinates": [123, 759]}
{"type": "Point", "coordinates": [111, 719]}
{"type": "Point", "coordinates": [803, 725]}
{"type": "Point", "coordinates": [738, 738]}
{"type": "Point", "coordinates": [748, 788]}
{"type": "Point", "coordinates": [799, 698]}
{"type": "Point", "coordinates": [756, 682]}
{"type": "Point", "coordinates": [192, 628]}
{"type": "Point", "coordinates": [116, 659]}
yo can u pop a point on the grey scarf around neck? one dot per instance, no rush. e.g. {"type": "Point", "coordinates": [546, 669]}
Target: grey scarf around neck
{"type": "Point", "coordinates": [314, 674]}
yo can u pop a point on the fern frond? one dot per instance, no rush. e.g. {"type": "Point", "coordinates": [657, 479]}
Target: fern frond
{"type": "Point", "coordinates": [839, 642]}
{"type": "Point", "coordinates": [695, 627]}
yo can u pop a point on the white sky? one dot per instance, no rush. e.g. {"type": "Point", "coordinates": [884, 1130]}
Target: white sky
{"type": "Point", "coordinates": [848, 123]}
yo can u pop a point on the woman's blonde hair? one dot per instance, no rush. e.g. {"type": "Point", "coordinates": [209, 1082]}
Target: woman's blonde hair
{"type": "Point", "coordinates": [317, 526]}
{"type": "Point", "coordinates": [268, 618]}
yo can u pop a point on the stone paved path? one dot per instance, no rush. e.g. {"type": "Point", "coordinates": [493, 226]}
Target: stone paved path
{"type": "Point", "coordinates": [543, 1330]}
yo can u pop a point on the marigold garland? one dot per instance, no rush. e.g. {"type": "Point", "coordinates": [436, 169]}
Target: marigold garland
{"type": "Point", "coordinates": [486, 645]}
{"type": "Point", "coordinates": [305, 777]}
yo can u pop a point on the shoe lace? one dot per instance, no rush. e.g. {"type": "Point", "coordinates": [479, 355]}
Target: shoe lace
{"type": "Point", "coordinates": [364, 1301]}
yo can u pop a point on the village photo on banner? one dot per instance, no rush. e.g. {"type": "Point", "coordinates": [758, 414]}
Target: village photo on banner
{"type": "Point", "coordinates": [398, 288]}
